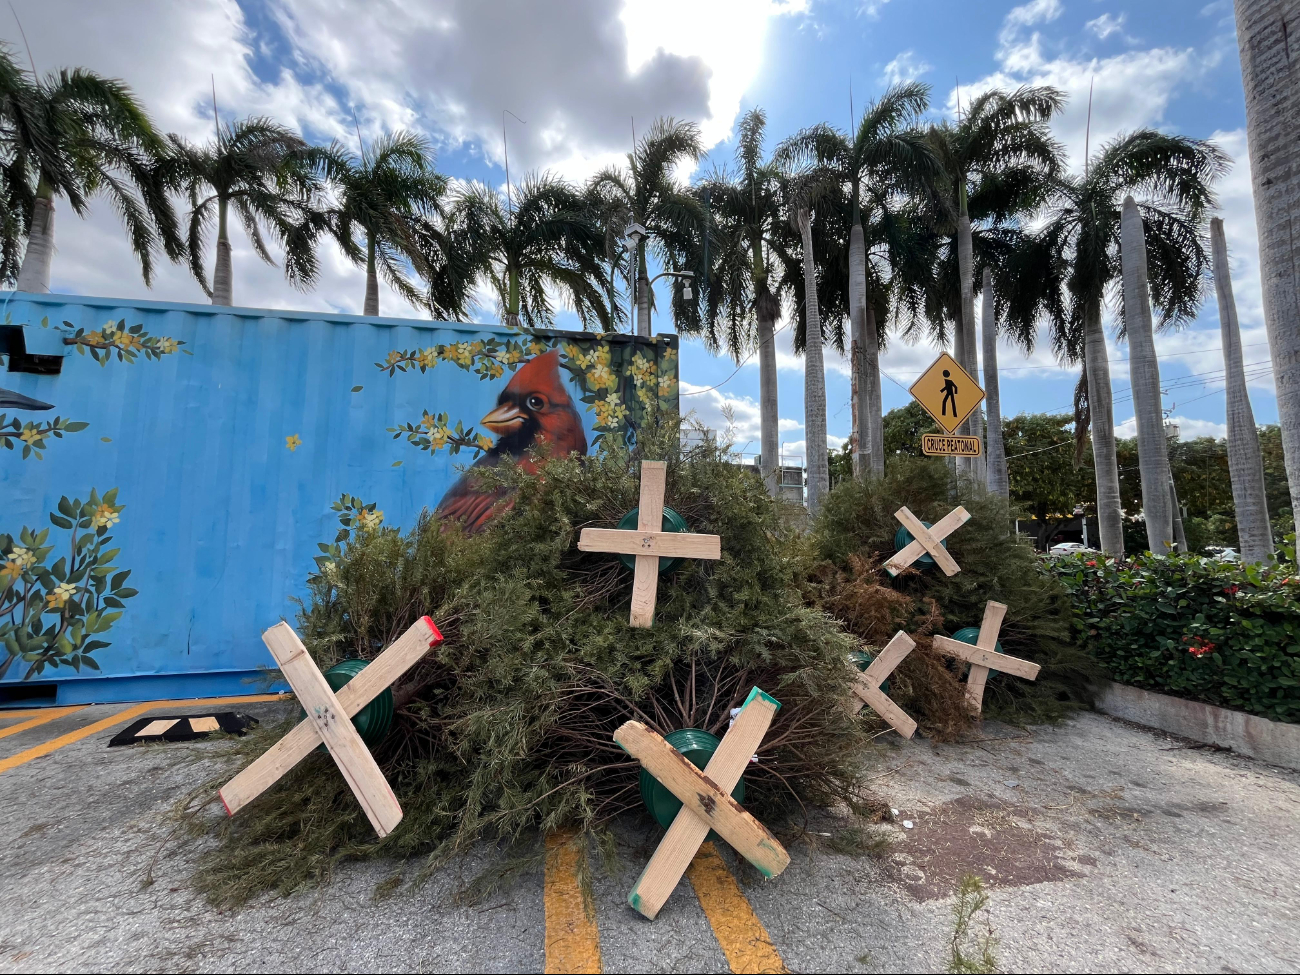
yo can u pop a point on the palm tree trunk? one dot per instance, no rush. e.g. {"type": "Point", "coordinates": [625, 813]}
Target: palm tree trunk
{"type": "Point", "coordinates": [372, 279]}
{"type": "Point", "coordinates": [1144, 374]}
{"type": "Point", "coordinates": [814, 393]}
{"type": "Point", "coordinates": [960, 464]}
{"type": "Point", "coordinates": [1110, 517]}
{"type": "Point", "coordinates": [857, 328]}
{"type": "Point", "coordinates": [1268, 35]}
{"type": "Point", "coordinates": [873, 421]}
{"type": "Point", "coordinates": [222, 277]}
{"type": "Point", "coordinates": [966, 268]}
{"type": "Point", "coordinates": [1180, 537]}
{"type": "Point", "coordinates": [1245, 462]}
{"type": "Point", "coordinates": [642, 295]}
{"type": "Point", "coordinates": [998, 481]}
{"type": "Point", "coordinates": [512, 309]}
{"type": "Point", "coordinates": [34, 275]}
{"type": "Point", "coordinates": [766, 309]}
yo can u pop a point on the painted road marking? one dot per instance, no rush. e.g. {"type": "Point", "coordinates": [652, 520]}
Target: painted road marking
{"type": "Point", "coordinates": [48, 714]}
{"type": "Point", "coordinates": [741, 934]}
{"type": "Point", "coordinates": [53, 745]}
{"type": "Point", "coordinates": [572, 937]}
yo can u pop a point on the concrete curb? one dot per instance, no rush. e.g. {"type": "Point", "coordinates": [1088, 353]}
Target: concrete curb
{"type": "Point", "coordinates": [1275, 742]}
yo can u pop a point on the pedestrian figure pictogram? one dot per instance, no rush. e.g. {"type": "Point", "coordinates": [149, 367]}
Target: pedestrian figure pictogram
{"type": "Point", "coordinates": [948, 392]}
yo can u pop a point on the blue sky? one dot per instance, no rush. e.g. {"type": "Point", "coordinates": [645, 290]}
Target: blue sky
{"type": "Point", "coordinates": [580, 72]}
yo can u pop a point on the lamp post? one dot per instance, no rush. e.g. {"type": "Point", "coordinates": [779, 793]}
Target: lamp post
{"type": "Point", "coordinates": [686, 276]}
{"type": "Point", "coordinates": [635, 234]}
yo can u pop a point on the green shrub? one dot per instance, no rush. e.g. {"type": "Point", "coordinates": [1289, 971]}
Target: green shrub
{"type": "Point", "coordinates": [1193, 627]}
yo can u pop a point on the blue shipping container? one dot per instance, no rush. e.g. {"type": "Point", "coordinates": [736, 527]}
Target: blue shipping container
{"type": "Point", "coordinates": [230, 435]}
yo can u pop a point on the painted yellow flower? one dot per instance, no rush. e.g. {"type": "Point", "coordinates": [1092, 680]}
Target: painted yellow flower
{"type": "Point", "coordinates": [602, 377]}
{"type": "Point", "coordinates": [428, 358]}
{"type": "Point", "coordinates": [484, 442]}
{"type": "Point", "coordinates": [293, 442]}
{"type": "Point", "coordinates": [10, 571]}
{"type": "Point", "coordinates": [535, 347]}
{"type": "Point", "coordinates": [394, 358]}
{"type": "Point", "coordinates": [495, 370]}
{"type": "Point", "coordinates": [512, 355]}
{"type": "Point", "coordinates": [29, 434]}
{"type": "Point", "coordinates": [167, 345]}
{"type": "Point", "coordinates": [438, 438]}
{"type": "Point", "coordinates": [105, 515]}
{"type": "Point", "coordinates": [666, 385]}
{"type": "Point", "coordinates": [609, 412]}
{"type": "Point", "coordinates": [368, 520]}
{"type": "Point", "coordinates": [61, 594]}
{"type": "Point", "coordinates": [126, 341]}
{"type": "Point", "coordinates": [23, 556]}
{"type": "Point", "coordinates": [601, 354]}
{"type": "Point", "coordinates": [645, 394]}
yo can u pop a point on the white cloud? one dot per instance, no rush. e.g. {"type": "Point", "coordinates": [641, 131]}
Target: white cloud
{"type": "Point", "coordinates": [871, 8]}
{"type": "Point", "coordinates": [1107, 24]}
{"type": "Point", "coordinates": [905, 67]}
{"type": "Point", "coordinates": [731, 417]}
{"type": "Point", "coordinates": [1188, 428]}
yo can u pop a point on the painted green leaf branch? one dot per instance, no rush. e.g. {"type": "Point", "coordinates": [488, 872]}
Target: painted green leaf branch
{"type": "Point", "coordinates": [33, 436]}
{"type": "Point", "coordinates": [433, 433]}
{"type": "Point", "coordinates": [488, 358]}
{"type": "Point", "coordinates": [116, 339]}
{"type": "Point", "coordinates": [354, 515]}
{"type": "Point", "coordinates": [55, 614]}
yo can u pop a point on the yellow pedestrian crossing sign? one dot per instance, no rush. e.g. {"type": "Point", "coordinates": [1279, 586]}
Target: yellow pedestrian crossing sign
{"type": "Point", "coordinates": [947, 392]}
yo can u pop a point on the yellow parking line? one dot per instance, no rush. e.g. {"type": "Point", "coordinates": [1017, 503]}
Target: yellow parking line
{"type": "Point", "coordinates": [741, 934]}
{"type": "Point", "coordinates": [572, 938]}
{"type": "Point", "coordinates": [48, 714]}
{"type": "Point", "coordinates": [45, 748]}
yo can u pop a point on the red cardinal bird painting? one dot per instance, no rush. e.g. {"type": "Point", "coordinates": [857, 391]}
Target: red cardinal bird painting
{"type": "Point", "coordinates": [534, 412]}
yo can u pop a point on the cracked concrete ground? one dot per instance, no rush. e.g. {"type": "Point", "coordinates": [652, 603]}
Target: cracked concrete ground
{"type": "Point", "coordinates": [1104, 847]}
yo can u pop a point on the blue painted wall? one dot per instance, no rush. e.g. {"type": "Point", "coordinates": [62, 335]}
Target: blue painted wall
{"type": "Point", "coordinates": [222, 520]}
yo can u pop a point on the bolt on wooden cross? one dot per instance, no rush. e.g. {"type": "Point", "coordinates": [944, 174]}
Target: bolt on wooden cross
{"type": "Point", "coordinates": [329, 721]}
{"type": "Point", "coordinates": [649, 543]}
{"type": "Point", "coordinates": [706, 801]}
{"type": "Point", "coordinates": [983, 657]}
{"type": "Point", "coordinates": [927, 540]}
{"type": "Point", "coordinates": [866, 685]}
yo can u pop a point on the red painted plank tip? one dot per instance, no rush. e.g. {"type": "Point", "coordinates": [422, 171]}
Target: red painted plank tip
{"type": "Point", "coordinates": [222, 797]}
{"type": "Point", "coordinates": [437, 633]}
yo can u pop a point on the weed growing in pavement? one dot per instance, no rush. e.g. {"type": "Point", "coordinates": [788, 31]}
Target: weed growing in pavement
{"type": "Point", "coordinates": [972, 952]}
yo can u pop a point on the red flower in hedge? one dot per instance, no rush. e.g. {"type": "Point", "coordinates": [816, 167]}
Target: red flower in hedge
{"type": "Point", "coordinates": [1198, 645]}
{"type": "Point", "coordinates": [1093, 563]}
{"type": "Point", "coordinates": [1233, 590]}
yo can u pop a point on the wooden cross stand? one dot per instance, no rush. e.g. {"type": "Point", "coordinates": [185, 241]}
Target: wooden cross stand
{"type": "Point", "coordinates": [983, 656]}
{"type": "Point", "coordinates": [648, 543]}
{"type": "Point", "coordinates": [927, 540]}
{"type": "Point", "coordinates": [866, 685]}
{"type": "Point", "coordinates": [329, 721]}
{"type": "Point", "coordinates": [706, 802]}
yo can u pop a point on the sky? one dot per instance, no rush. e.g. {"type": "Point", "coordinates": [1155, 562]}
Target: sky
{"type": "Point", "coordinates": [580, 76]}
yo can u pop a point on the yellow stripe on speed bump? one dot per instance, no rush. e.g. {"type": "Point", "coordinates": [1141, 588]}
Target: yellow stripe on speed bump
{"type": "Point", "coordinates": [572, 938]}
{"type": "Point", "coordinates": [53, 745]}
{"type": "Point", "coordinates": [48, 714]}
{"type": "Point", "coordinates": [741, 934]}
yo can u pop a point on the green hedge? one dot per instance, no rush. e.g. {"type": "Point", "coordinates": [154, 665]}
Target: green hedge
{"type": "Point", "coordinates": [1194, 628]}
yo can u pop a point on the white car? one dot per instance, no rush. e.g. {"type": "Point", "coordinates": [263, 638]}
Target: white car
{"type": "Point", "coordinates": [1067, 548]}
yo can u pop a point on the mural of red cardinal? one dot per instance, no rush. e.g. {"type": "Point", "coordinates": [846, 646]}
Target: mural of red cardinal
{"type": "Point", "coordinates": [533, 412]}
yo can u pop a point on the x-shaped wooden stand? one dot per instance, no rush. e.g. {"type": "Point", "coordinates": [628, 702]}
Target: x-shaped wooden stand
{"type": "Point", "coordinates": [706, 802]}
{"type": "Point", "coordinates": [649, 543]}
{"type": "Point", "coordinates": [927, 540]}
{"type": "Point", "coordinates": [983, 656]}
{"type": "Point", "coordinates": [866, 685]}
{"type": "Point", "coordinates": [329, 720]}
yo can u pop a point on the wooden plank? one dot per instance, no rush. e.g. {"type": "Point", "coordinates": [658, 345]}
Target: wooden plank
{"type": "Point", "coordinates": [208, 723]}
{"type": "Point", "coordinates": [930, 541]}
{"type": "Point", "coordinates": [688, 830]}
{"type": "Point", "coordinates": [975, 682]}
{"type": "Point", "coordinates": [404, 653]}
{"type": "Point", "coordinates": [913, 550]}
{"type": "Point", "coordinates": [987, 658]}
{"type": "Point", "coordinates": [335, 728]}
{"type": "Point", "coordinates": [650, 518]}
{"type": "Point", "coordinates": [894, 716]}
{"type": "Point", "coordinates": [889, 658]}
{"type": "Point", "coordinates": [661, 544]}
{"type": "Point", "coordinates": [994, 613]}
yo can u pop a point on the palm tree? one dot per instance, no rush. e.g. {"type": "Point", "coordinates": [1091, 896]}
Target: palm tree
{"type": "Point", "coordinates": [1245, 463]}
{"type": "Point", "coordinates": [747, 235]}
{"type": "Point", "coordinates": [1170, 176]}
{"type": "Point", "coordinates": [997, 163]}
{"type": "Point", "coordinates": [270, 178]}
{"type": "Point", "coordinates": [800, 207]}
{"type": "Point", "coordinates": [542, 239]}
{"type": "Point", "coordinates": [995, 461]}
{"type": "Point", "coordinates": [1266, 34]}
{"type": "Point", "coordinates": [885, 157]}
{"type": "Point", "coordinates": [648, 195]}
{"type": "Point", "coordinates": [74, 134]}
{"type": "Point", "coordinates": [389, 207]}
